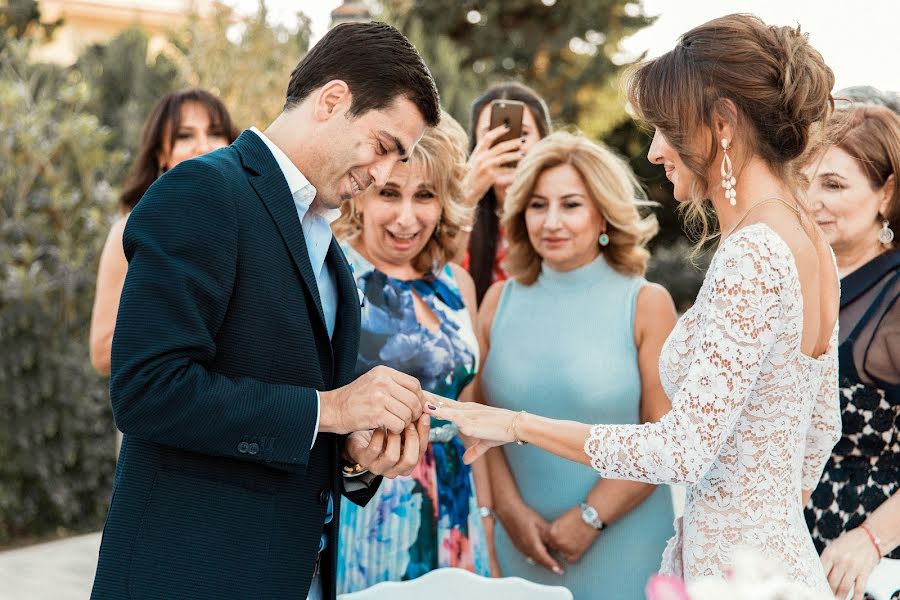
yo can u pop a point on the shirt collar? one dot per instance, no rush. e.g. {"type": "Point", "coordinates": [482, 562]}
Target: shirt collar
{"type": "Point", "coordinates": [295, 179]}
{"type": "Point", "coordinates": [302, 190]}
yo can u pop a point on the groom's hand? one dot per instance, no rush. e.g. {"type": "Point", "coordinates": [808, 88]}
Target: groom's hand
{"type": "Point", "coordinates": [381, 399]}
{"type": "Point", "coordinates": [390, 454]}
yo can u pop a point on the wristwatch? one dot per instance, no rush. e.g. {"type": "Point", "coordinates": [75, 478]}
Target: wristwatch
{"type": "Point", "coordinates": [354, 470]}
{"type": "Point", "coordinates": [485, 512]}
{"type": "Point", "coordinates": [589, 515]}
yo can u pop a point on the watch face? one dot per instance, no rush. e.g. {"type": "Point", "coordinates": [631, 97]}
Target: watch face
{"type": "Point", "coordinates": [590, 513]}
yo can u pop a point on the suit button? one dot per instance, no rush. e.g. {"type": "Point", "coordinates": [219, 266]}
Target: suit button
{"type": "Point", "coordinates": [253, 448]}
{"type": "Point", "coordinates": [243, 447]}
{"type": "Point", "coordinates": [324, 495]}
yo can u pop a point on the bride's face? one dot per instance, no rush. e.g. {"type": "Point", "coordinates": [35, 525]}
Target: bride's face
{"type": "Point", "coordinates": [662, 153]}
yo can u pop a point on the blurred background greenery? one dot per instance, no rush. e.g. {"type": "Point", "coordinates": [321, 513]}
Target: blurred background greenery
{"type": "Point", "coordinates": [67, 136]}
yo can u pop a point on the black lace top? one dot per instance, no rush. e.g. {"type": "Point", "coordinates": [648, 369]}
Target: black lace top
{"type": "Point", "coordinates": [864, 469]}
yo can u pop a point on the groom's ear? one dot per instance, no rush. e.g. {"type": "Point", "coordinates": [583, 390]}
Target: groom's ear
{"type": "Point", "coordinates": [333, 98]}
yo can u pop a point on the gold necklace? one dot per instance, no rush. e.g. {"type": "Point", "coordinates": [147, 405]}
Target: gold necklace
{"type": "Point", "coordinates": [759, 202]}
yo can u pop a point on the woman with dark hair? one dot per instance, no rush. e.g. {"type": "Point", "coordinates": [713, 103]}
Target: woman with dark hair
{"type": "Point", "coordinates": [182, 125]}
{"type": "Point", "coordinates": [489, 176]}
{"type": "Point", "coordinates": [854, 513]}
{"type": "Point", "coordinates": [751, 368]}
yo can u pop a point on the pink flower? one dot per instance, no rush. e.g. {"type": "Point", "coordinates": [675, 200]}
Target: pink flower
{"type": "Point", "coordinates": [666, 587]}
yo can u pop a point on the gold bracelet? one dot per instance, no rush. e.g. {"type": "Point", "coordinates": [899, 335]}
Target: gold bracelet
{"type": "Point", "coordinates": [515, 420]}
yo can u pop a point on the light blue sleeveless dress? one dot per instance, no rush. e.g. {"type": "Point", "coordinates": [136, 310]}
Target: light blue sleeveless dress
{"type": "Point", "coordinates": [564, 348]}
{"type": "Point", "coordinates": [429, 519]}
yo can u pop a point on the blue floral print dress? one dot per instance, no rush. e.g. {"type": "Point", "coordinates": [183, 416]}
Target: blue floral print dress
{"type": "Point", "coordinates": [427, 520]}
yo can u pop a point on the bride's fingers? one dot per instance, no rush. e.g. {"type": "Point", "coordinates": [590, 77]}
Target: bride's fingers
{"type": "Point", "coordinates": [440, 407]}
{"type": "Point", "coordinates": [475, 451]}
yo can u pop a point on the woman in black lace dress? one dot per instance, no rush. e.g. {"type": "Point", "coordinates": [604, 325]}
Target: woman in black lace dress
{"type": "Point", "coordinates": [854, 513]}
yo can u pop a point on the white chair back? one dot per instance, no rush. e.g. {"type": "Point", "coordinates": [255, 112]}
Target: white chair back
{"type": "Point", "coordinates": [459, 584]}
{"type": "Point", "coordinates": [884, 580]}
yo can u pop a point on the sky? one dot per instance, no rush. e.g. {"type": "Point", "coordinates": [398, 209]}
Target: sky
{"type": "Point", "coordinates": [859, 40]}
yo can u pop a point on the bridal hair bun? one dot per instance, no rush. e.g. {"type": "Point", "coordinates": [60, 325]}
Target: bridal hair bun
{"type": "Point", "coordinates": [805, 92]}
{"type": "Point", "coordinates": [768, 82]}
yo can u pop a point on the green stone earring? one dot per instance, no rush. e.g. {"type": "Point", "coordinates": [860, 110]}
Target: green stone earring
{"type": "Point", "coordinates": [604, 239]}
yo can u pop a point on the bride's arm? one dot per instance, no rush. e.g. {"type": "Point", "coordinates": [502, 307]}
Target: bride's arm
{"type": "Point", "coordinates": [740, 327]}
{"type": "Point", "coordinates": [825, 423]}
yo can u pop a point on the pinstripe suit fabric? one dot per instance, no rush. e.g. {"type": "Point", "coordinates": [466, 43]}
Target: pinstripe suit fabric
{"type": "Point", "coordinates": [219, 347]}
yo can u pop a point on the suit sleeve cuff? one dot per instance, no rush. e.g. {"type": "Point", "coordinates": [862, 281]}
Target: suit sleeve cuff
{"type": "Point", "coordinates": [318, 414]}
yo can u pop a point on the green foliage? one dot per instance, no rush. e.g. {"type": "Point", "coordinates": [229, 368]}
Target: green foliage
{"type": "Point", "coordinates": [68, 135]}
{"type": "Point", "coordinates": [57, 448]}
{"type": "Point", "coordinates": [569, 52]}
{"type": "Point", "coordinates": [222, 53]}
{"type": "Point", "coordinates": [125, 85]}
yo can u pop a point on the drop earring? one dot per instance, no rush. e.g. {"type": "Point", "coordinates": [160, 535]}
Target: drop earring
{"type": "Point", "coordinates": [886, 234]}
{"type": "Point", "coordinates": [727, 171]}
{"type": "Point", "coordinates": [604, 239]}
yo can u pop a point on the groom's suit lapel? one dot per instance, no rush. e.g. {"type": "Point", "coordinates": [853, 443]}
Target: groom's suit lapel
{"type": "Point", "coordinates": [347, 324]}
{"type": "Point", "coordinates": [268, 181]}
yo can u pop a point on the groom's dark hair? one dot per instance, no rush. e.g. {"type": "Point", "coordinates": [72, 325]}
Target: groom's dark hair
{"type": "Point", "coordinates": [376, 62]}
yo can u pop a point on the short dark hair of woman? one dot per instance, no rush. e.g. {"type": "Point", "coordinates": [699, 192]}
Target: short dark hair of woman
{"type": "Point", "coordinates": [376, 62]}
{"type": "Point", "coordinates": [161, 125]}
{"type": "Point", "coordinates": [483, 241]}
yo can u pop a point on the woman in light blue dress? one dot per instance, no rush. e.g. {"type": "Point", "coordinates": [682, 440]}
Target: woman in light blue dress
{"type": "Point", "coordinates": [576, 334]}
{"type": "Point", "coordinates": [417, 317]}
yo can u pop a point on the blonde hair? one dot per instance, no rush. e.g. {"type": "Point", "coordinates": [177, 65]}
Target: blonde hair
{"type": "Point", "coordinates": [611, 186]}
{"type": "Point", "coordinates": [441, 155]}
{"type": "Point", "coordinates": [778, 83]}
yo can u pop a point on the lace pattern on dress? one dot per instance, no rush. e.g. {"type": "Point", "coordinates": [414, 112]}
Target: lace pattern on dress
{"type": "Point", "coordinates": [743, 399]}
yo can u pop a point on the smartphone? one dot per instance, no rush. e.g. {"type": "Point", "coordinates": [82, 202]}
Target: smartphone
{"type": "Point", "coordinates": [507, 112]}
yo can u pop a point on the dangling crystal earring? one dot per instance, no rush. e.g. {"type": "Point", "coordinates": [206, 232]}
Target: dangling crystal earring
{"type": "Point", "coordinates": [727, 170]}
{"type": "Point", "coordinates": [886, 235]}
{"type": "Point", "coordinates": [604, 239]}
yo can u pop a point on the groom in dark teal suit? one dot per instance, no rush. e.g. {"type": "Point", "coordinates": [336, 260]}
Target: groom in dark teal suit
{"type": "Point", "coordinates": [236, 341]}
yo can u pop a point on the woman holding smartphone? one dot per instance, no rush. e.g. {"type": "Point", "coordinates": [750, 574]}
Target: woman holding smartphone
{"type": "Point", "coordinates": [491, 168]}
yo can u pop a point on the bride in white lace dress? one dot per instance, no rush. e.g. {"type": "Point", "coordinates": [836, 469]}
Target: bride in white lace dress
{"type": "Point", "coordinates": [751, 369]}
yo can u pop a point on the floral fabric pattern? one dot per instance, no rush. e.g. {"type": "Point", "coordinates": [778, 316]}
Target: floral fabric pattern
{"type": "Point", "coordinates": [429, 519]}
{"type": "Point", "coordinates": [753, 420]}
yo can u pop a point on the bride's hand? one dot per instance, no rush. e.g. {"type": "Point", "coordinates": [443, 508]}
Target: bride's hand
{"type": "Point", "coordinates": [488, 425]}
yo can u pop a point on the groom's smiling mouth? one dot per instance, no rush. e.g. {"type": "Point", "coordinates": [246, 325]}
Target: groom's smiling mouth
{"type": "Point", "coordinates": [358, 185]}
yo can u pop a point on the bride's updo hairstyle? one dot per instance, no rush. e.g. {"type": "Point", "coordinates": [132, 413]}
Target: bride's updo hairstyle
{"type": "Point", "coordinates": [778, 83]}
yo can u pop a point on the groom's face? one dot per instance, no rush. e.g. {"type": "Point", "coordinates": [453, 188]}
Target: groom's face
{"type": "Point", "coordinates": [362, 150]}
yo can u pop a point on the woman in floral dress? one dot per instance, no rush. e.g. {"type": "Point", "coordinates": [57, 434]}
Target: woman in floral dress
{"type": "Point", "coordinates": [417, 315]}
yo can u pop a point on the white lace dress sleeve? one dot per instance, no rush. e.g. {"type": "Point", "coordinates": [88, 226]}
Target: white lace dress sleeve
{"type": "Point", "coordinates": [825, 424]}
{"type": "Point", "coordinates": [740, 327]}
{"type": "Point", "coordinates": [752, 417]}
